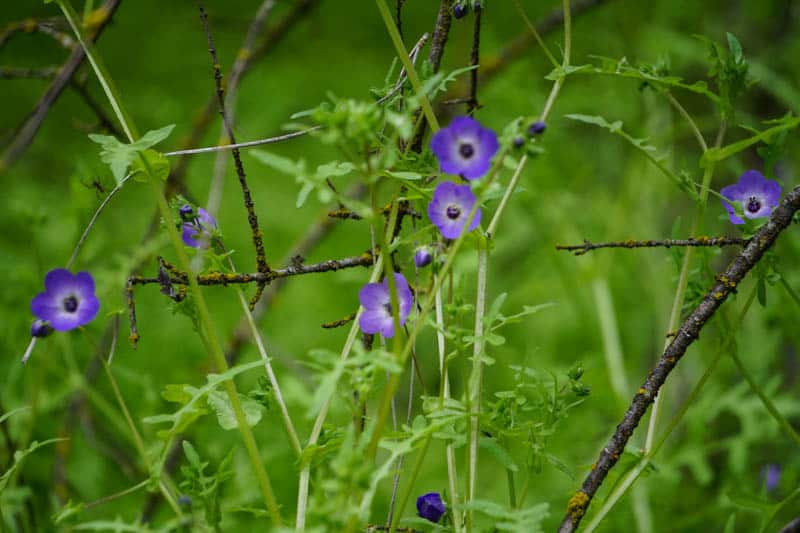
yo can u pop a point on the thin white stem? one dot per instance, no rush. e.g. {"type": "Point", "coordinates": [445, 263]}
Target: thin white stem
{"type": "Point", "coordinates": [512, 185]}
{"type": "Point", "coordinates": [476, 378]}
{"type": "Point", "coordinates": [248, 144]}
{"type": "Point", "coordinates": [452, 474]}
{"type": "Point", "coordinates": [305, 474]}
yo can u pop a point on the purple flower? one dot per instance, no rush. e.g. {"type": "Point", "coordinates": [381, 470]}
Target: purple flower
{"type": "Point", "coordinates": [465, 148]}
{"type": "Point", "coordinates": [450, 208]}
{"type": "Point", "coordinates": [377, 315]}
{"type": "Point", "coordinates": [460, 10]}
{"type": "Point", "coordinates": [197, 233]}
{"type": "Point", "coordinates": [430, 506]}
{"type": "Point", "coordinates": [186, 212]}
{"type": "Point", "coordinates": [423, 257]}
{"type": "Point", "coordinates": [757, 195]}
{"type": "Point", "coordinates": [67, 302]}
{"type": "Point", "coordinates": [40, 328]}
{"type": "Point", "coordinates": [771, 475]}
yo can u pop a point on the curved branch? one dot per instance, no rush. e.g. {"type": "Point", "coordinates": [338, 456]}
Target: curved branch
{"type": "Point", "coordinates": [725, 284]}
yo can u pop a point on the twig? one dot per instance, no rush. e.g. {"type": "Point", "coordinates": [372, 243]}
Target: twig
{"type": "Point", "coordinates": [10, 73]}
{"type": "Point", "coordinates": [28, 130]}
{"type": "Point", "coordinates": [339, 323]}
{"type": "Point", "coordinates": [252, 218]}
{"type": "Point", "coordinates": [256, 26]}
{"type": "Point", "coordinates": [688, 332]}
{"type": "Point", "coordinates": [474, 58]}
{"type": "Point", "coordinates": [588, 246]}
{"type": "Point", "coordinates": [43, 26]}
{"type": "Point", "coordinates": [404, 208]}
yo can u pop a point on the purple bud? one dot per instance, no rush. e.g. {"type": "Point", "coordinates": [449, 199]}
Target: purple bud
{"type": "Point", "coordinates": [186, 212]}
{"type": "Point", "coordinates": [40, 328]}
{"type": "Point", "coordinates": [460, 10]}
{"type": "Point", "coordinates": [771, 475]}
{"type": "Point", "coordinates": [537, 128]}
{"type": "Point", "coordinates": [430, 506]}
{"type": "Point", "coordinates": [184, 500]}
{"type": "Point", "coordinates": [519, 141]}
{"type": "Point", "coordinates": [423, 257]}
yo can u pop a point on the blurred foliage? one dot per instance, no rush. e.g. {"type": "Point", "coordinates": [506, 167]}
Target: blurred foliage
{"type": "Point", "coordinates": [584, 182]}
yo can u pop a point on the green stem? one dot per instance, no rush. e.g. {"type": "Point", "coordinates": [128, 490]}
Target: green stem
{"type": "Point", "coordinates": [779, 418]}
{"type": "Point", "coordinates": [790, 290]}
{"type": "Point", "coordinates": [410, 483]}
{"type": "Point", "coordinates": [476, 380]}
{"type": "Point", "coordinates": [512, 492]}
{"type": "Point", "coordinates": [397, 40]}
{"type": "Point", "coordinates": [777, 509]}
{"type": "Point", "coordinates": [208, 334]}
{"type": "Point", "coordinates": [116, 495]}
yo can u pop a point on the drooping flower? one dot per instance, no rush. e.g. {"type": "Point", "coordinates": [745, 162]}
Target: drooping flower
{"type": "Point", "coordinates": [430, 506]}
{"type": "Point", "coordinates": [465, 148]}
{"type": "Point", "coordinates": [757, 196]}
{"type": "Point", "coordinates": [771, 476]}
{"type": "Point", "coordinates": [450, 207]}
{"type": "Point", "coordinates": [197, 232]}
{"type": "Point", "coordinates": [423, 257]}
{"type": "Point", "coordinates": [68, 301]}
{"type": "Point", "coordinates": [377, 315]}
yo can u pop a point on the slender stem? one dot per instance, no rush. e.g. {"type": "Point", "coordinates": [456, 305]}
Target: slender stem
{"type": "Point", "coordinates": [452, 474]}
{"type": "Point", "coordinates": [795, 493]}
{"type": "Point", "coordinates": [512, 185]}
{"type": "Point", "coordinates": [120, 494]}
{"type": "Point", "coordinates": [248, 144]}
{"type": "Point", "coordinates": [535, 33]}
{"type": "Point", "coordinates": [410, 484]}
{"type": "Point", "coordinates": [475, 381]}
{"type": "Point", "coordinates": [790, 290]}
{"type": "Point", "coordinates": [548, 106]}
{"type": "Point", "coordinates": [430, 116]}
{"type": "Point", "coordinates": [512, 492]}
{"type": "Point", "coordinates": [779, 418]}
{"type": "Point", "coordinates": [276, 389]}
{"type": "Point", "coordinates": [695, 130]}
{"type": "Point", "coordinates": [208, 334]}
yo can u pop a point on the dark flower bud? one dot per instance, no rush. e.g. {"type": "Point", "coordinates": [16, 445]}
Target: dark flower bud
{"type": "Point", "coordinates": [40, 329]}
{"type": "Point", "coordinates": [478, 5]}
{"type": "Point", "coordinates": [423, 257]}
{"type": "Point", "coordinates": [537, 128]}
{"type": "Point", "coordinates": [184, 500]}
{"type": "Point", "coordinates": [460, 10]}
{"type": "Point", "coordinates": [430, 506]}
{"type": "Point", "coordinates": [519, 140]}
{"type": "Point", "coordinates": [187, 213]}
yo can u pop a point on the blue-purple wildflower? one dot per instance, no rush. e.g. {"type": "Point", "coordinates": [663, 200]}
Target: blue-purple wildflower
{"type": "Point", "coordinates": [68, 301]}
{"type": "Point", "coordinates": [460, 10]}
{"type": "Point", "coordinates": [198, 231]}
{"type": "Point", "coordinates": [430, 506]}
{"type": "Point", "coordinates": [423, 257]}
{"type": "Point", "coordinates": [465, 148]}
{"type": "Point", "coordinates": [756, 195]}
{"type": "Point", "coordinates": [450, 207]}
{"type": "Point", "coordinates": [377, 315]}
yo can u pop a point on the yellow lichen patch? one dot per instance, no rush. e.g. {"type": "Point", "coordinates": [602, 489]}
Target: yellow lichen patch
{"type": "Point", "coordinates": [576, 506]}
{"type": "Point", "coordinates": [719, 295]}
{"type": "Point", "coordinates": [641, 390]}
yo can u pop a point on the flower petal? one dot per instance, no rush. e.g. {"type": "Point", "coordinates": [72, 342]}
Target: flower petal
{"type": "Point", "coordinates": [373, 296]}
{"type": "Point", "coordinates": [57, 279]}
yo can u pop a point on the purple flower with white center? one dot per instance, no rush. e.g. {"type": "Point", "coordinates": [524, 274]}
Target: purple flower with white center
{"type": "Point", "coordinates": [450, 207]}
{"type": "Point", "coordinates": [423, 257]}
{"type": "Point", "coordinates": [757, 196]}
{"type": "Point", "coordinates": [40, 328]}
{"type": "Point", "coordinates": [377, 315]}
{"type": "Point", "coordinates": [771, 475]}
{"type": "Point", "coordinates": [68, 301]}
{"type": "Point", "coordinates": [430, 506]}
{"type": "Point", "coordinates": [197, 233]}
{"type": "Point", "coordinates": [465, 148]}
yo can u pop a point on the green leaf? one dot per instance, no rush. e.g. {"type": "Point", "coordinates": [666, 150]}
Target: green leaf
{"type": "Point", "coordinates": [276, 162]}
{"type": "Point", "coordinates": [119, 156]}
{"type": "Point", "coordinates": [500, 454]}
{"type": "Point", "coordinates": [221, 405]}
{"type": "Point", "coordinates": [150, 163]}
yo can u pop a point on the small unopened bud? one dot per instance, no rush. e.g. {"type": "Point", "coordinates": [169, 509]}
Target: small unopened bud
{"type": "Point", "coordinates": [40, 329]}
{"type": "Point", "coordinates": [576, 371]}
{"type": "Point", "coordinates": [460, 10]}
{"type": "Point", "coordinates": [537, 128]}
{"type": "Point", "coordinates": [186, 212]}
{"type": "Point", "coordinates": [423, 257]}
{"type": "Point", "coordinates": [519, 141]}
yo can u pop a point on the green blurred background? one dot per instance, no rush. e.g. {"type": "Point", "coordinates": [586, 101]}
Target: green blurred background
{"type": "Point", "coordinates": [589, 184]}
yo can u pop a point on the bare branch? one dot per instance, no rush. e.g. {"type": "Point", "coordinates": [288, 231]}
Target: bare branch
{"type": "Point", "coordinates": [588, 246]}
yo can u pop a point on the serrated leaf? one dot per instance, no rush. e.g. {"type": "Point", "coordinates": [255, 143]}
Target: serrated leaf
{"type": "Point", "coordinates": [119, 156]}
